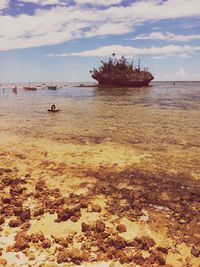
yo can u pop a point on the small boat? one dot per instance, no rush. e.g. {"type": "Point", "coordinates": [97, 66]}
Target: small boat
{"type": "Point", "coordinates": [52, 87]}
{"type": "Point", "coordinates": [53, 109]}
{"type": "Point", "coordinates": [30, 88]}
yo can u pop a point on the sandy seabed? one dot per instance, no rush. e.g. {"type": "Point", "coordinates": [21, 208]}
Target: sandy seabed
{"type": "Point", "coordinates": [95, 204]}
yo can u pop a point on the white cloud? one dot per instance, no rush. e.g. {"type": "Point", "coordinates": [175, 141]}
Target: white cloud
{"type": "Point", "coordinates": [42, 2]}
{"type": "Point", "coordinates": [168, 36]}
{"type": "Point", "coordinates": [156, 10]}
{"type": "Point", "coordinates": [63, 23]}
{"type": "Point", "coordinates": [130, 51]}
{"type": "Point", "coordinates": [78, 2]}
{"type": "Point", "coordinates": [109, 28]}
{"type": "Point", "coordinates": [98, 2]}
{"type": "Point", "coordinates": [4, 4]}
{"type": "Point", "coordinates": [181, 75]}
{"type": "Point", "coordinates": [44, 28]}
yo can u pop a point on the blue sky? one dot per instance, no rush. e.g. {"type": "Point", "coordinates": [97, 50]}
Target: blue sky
{"type": "Point", "coordinates": [61, 40]}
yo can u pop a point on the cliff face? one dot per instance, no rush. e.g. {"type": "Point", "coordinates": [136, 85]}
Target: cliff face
{"type": "Point", "coordinates": [121, 73]}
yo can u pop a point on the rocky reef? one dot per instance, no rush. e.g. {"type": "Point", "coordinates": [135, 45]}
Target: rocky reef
{"type": "Point", "coordinates": [119, 72]}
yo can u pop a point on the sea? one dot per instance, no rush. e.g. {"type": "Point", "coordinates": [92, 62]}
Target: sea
{"type": "Point", "coordinates": [162, 119]}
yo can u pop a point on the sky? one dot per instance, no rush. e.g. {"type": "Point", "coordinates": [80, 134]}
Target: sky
{"type": "Point", "coordinates": [62, 40]}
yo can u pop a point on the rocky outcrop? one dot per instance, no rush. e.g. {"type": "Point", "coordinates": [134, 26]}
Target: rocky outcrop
{"type": "Point", "coordinates": [119, 72]}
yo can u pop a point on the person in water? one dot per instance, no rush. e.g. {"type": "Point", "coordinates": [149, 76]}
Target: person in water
{"type": "Point", "coordinates": [53, 109]}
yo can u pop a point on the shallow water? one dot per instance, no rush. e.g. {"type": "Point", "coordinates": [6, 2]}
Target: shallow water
{"type": "Point", "coordinates": [162, 119]}
{"type": "Point", "coordinates": [135, 152]}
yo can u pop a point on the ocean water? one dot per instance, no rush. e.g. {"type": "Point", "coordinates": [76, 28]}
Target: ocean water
{"type": "Point", "coordinates": [162, 119]}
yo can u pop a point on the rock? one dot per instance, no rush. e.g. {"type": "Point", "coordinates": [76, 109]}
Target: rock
{"type": "Point", "coordinates": [96, 208]}
{"type": "Point", "coordinates": [14, 191]}
{"type": "Point", "coordinates": [17, 203]}
{"type": "Point", "coordinates": [120, 254]}
{"type": "Point", "coordinates": [25, 215]}
{"type": "Point", "coordinates": [40, 186]}
{"type": "Point", "coordinates": [85, 256]}
{"type": "Point", "coordinates": [119, 72]}
{"type": "Point", "coordinates": [75, 254]}
{"type": "Point", "coordinates": [17, 211]}
{"type": "Point", "coordinates": [110, 253]}
{"type": "Point", "coordinates": [62, 256]}
{"type": "Point", "coordinates": [15, 223]}
{"type": "Point", "coordinates": [161, 260]}
{"type": "Point", "coordinates": [75, 218]}
{"type": "Point", "coordinates": [145, 242]}
{"type": "Point", "coordinates": [9, 249]}
{"type": "Point", "coordinates": [121, 228]}
{"type": "Point", "coordinates": [64, 215]}
{"type": "Point", "coordinates": [31, 256]}
{"type": "Point", "coordinates": [138, 259]}
{"type": "Point", "coordinates": [124, 260]}
{"type": "Point", "coordinates": [150, 260]}
{"type": "Point", "coordinates": [163, 250]}
{"type": "Point", "coordinates": [195, 251]}
{"type": "Point", "coordinates": [3, 262]}
{"type": "Point", "coordinates": [131, 243]}
{"type": "Point", "coordinates": [37, 194]}
{"type": "Point", "coordinates": [2, 220]}
{"type": "Point", "coordinates": [38, 212]}
{"type": "Point", "coordinates": [86, 246]}
{"type": "Point", "coordinates": [64, 243]}
{"type": "Point", "coordinates": [25, 225]}
{"type": "Point", "coordinates": [100, 226]}
{"type": "Point", "coordinates": [35, 238]}
{"type": "Point", "coordinates": [46, 243]}
{"type": "Point", "coordinates": [7, 210]}
{"type": "Point", "coordinates": [149, 241]}
{"type": "Point", "coordinates": [119, 243]}
{"type": "Point", "coordinates": [7, 181]}
{"type": "Point", "coordinates": [84, 204]}
{"type": "Point", "coordinates": [6, 199]}
{"type": "Point", "coordinates": [85, 227]}
{"type": "Point", "coordinates": [21, 244]}
{"type": "Point", "coordinates": [59, 202]}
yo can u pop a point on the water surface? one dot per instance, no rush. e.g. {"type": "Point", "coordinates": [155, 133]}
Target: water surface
{"type": "Point", "coordinates": [162, 119]}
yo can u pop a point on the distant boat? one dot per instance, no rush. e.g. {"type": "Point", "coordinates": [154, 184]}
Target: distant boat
{"type": "Point", "coordinates": [52, 87]}
{"type": "Point", "coordinates": [30, 88]}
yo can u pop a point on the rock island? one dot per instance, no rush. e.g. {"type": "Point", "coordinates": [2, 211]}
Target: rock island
{"type": "Point", "coordinates": [119, 72]}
